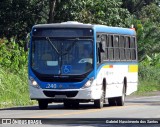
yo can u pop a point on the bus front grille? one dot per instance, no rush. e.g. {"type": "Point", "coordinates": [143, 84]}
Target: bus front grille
{"type": "Point", "coordinates": [67, 93]}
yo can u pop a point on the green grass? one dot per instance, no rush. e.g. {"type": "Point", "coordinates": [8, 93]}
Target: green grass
{"type": "Point", "coordinates": [14, 88]}
{"type": "Point", "coordinates": [147, 86]}
{"type": "Point", "coordinates": [149, 80]}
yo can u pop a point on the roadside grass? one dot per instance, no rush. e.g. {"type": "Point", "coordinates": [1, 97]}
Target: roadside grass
{"type": "Point", "coordinates": [14, 88]}
{"type": "Point", "coordinates": [149, 79]}
{"type": "Point", "coordinates": [147, 86]}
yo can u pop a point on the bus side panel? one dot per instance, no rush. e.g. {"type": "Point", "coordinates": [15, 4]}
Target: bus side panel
{"type": "Point", "coordinates": [114, 80]}
{"type": "Point", "coordinates": [114, 76]}
{"type": "Point", "coordinates": [132, 79]}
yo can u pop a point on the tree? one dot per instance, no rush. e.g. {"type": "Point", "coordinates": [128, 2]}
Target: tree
{"type": "Point", "coordinates": [148, 39]}
{"type": "Point", "coordinates": [18, 16]}
{"type": "Point", "coordinates": [148, 30]}
{"type": "Point", "coordinates": [150, 13]}
{"type": "Point", "coordinates": [87, 11]}
{"type": "Point", "coordinates": [135, 6]}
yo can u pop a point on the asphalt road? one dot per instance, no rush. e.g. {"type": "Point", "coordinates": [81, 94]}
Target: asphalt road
{"type": "Point", "coordinates": [147, 108]}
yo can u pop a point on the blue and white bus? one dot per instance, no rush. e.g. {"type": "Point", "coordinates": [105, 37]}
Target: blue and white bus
{"type": "Point", "coordinates": [72, 62]}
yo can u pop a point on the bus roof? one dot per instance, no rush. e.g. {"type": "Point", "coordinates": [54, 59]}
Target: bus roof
{"type": "Point", "coordinates": [97, 28]}
{"type": "Point", "coordinates": [115, 30]}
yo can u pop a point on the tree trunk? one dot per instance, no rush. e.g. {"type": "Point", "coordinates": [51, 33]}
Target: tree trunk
{"type": "Point", "coordinates": [52, 5]}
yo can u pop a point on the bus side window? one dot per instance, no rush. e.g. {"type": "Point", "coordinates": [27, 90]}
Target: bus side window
{"type": "Point", "coordinates": [116, 47]}
{"type": "Point", "coordinates": [127, 48]}
{"type": "Point", "coordinates": [110, 47]}
{"type": "Point", "coordinates": [103, 48]}
{"type": "Point", "coordinates": [122, 47]}
{"type": "Point", "coordinates": [133, 48]}
{"type": "Point", "coordinates": [98, 48]}
{"type": "Point", "coordinates": [107, 47]}
{"type": "Point", "coordinates": [98, 59]}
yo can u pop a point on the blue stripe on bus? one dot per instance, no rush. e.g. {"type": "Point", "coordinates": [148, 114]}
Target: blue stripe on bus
{"type": "Point", "coordinates": [114, 30]}
{"type": "Point", "coordinates": [65, 85]}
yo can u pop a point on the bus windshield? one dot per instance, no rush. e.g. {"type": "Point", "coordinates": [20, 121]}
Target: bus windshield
{"type": "Point", "coordinates": [61, 56]}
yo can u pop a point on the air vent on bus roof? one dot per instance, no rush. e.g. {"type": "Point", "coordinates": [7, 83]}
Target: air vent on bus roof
{"type": "Point", "coordinates": [71, 22]}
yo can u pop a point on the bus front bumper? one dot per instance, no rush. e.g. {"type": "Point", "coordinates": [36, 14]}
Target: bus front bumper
{"type": "Point", "coordinates": [90, 93]}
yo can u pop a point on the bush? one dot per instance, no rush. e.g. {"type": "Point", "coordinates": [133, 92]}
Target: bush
{"type": "Point", "coordinates": [13, 75]}
{"type": "Point", "coordinates": [14, 88]}
{"type": "Point", "coordinates": [12, 55]}
{"type": "Point", "coordinates": [148, 77]}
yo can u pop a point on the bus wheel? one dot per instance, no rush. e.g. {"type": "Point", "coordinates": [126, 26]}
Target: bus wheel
{"type": "Point", "coordinates": [75, 104]}
{"type": "Point", "coordinates": [42, 104]}
{"type": "Point", "coordinates": [121, 100]}
{"type": "Point", "coordinates": [112, 101]}
{"type": "Point", "coordinates": [67, 104]}
{"type": "Point", "coordinates": [99, 103]}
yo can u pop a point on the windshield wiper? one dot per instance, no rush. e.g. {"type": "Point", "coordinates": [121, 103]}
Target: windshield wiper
{"type": "Point", "coordinates": [47, 38]}
{"type": "Point", "coordinates": [67, 50]}
{"type": "Point", "coordinates": [70, 47]}
{"type": "Point", "coordinates": [73, 43]}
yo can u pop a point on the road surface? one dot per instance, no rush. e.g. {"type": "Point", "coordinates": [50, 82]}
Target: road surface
{"type": "Point", "coordinates": [146, 107]}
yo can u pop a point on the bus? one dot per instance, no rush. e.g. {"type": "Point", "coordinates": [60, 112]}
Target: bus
{"type": "Point", "coordinates": [72, 63]}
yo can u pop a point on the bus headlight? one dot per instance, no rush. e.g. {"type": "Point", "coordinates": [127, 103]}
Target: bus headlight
{"type": "Point", "coordinates": [88, 83]}
{"type": "Point", "coordinates": [34, 83]}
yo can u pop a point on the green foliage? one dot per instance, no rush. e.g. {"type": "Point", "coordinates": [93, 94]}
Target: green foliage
{"type": "Point", "coordinates": [14, 88]}
{"type": "Point", "coordinates": [97, 12]}
{"type": "Point", "coordinates": [12, 55]}
{"type": "Point", "coordinates": [144, 87]}
{"type": "Point", "coordinates": [149, 72]}
{"type": "Point", "coordinates": [148, 33]}
{"type": "Point", "coordinates": [135, 6]}
{"type": "Point", "coordinates": [149, 76]}
{"type": "Point", "coordinates": [150, 13]}
{"type": "Point", "coordinates": [13, 75]}
{"type": "Point", "coordinates": [149, 39]}
{"type": "Point", "coordinates": [18, 16]}
{"type": "Point", "coordinates": [152, 61]}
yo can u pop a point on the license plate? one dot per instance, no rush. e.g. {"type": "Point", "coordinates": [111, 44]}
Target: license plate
{"type": "Point", "coordinates": [60, 96]}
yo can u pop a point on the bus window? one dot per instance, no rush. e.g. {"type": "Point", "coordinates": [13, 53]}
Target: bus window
{"type": "Point", "coordinates": [132, 42]}
{"type": "Point", "coordinates": [133, 54]}
{"type": "Point", "coordinates": [121, 46]}
{"type": "Point", "coordinates": [133, 48]}
{"type": "Point", "coordinates": [127, 48]}
{"type": "Point", "coordinates": [110, 48]}
{"type": "Point", "coordinates": [116, 47]}
{"type": "Point", "coordinates": [104, 52]}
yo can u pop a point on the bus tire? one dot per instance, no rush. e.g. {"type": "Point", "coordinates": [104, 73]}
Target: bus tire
{"type": "Point", "coordinates": [112, 101]}
{"type": "Point", "coordinates": [67, 104]}
{"type": "Point", "coordinates": [100, 102]}
{"type": "Point", "coordinates": [121, 100]}
{"type": "Point", "coordinates": [75, 104]}
{"type": "Point", "coordinates": [42, 104]}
